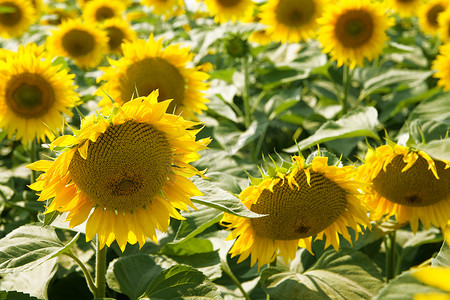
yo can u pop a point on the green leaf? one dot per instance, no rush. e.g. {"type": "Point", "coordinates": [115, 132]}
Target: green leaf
{"type": "Point", "coordinates": [393, 77]}
{"type": "Point", "coordinates": [404, 287]}
{"type": "Point", "coordinates": [130, 275]}
{"type": "Point", "coordinates": [360, 122]}
{"type": "Point", "coordinates": [12, 295]}
{"type": "Point", "coordinates": [196, 222]}
{"type": "Point", "coordinates": [181, 282]}
{"type": "Point", "coordinates": [443, 257]}
{"type": "Point", "coordinates": [437, 149]}
{"type": "Point", "coordinates": [254, 131]}
{"type": "Point", "coordinates": [344, 275]}
{"type": "Point", "coordinates": [29, 246]}
{"type": "Point", "coordinates": [215, 197]}
{"type": "Point", "coordinates": [436, 108]}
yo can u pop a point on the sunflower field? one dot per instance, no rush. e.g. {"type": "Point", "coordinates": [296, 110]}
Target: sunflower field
{"type": "Point", "coordinates": [224, 149]}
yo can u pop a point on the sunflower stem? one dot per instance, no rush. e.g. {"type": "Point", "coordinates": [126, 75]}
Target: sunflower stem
{"type": "Point", "coordinates": [100, 271]}
{"type": "Point", "coordinates": [247, 111]}
{"type": "Point", "coordinates": [226, 268]}
{"type": "Point", "coordinates": [390, 256]}
{"type": "Point", "coordinates": [347, 80]}
{"type": "Point", "coordinates": [87, 275]}
{"type": "Point", "coordinates": [34, 156]}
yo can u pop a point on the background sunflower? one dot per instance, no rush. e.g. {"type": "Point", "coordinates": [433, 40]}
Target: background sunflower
{"type": "Point", "coordinates": [18, 17]}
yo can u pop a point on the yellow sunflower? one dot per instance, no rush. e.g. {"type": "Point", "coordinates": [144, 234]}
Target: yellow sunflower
{"type": "Point", "coordinates": [438, 277]}
{"type": "Point", "coordinates": [300, 203]}
{"type": "Point", "coordinates": [428, 15]}
{"type": "Point", "coordinates": [444, 25]}
{"type": "Point", "coordinates": [38, 6]}
{"type": "Point", "coordinates": [405, 8]}
{"type": "Point", "coordinates": [162, 7]}
{"type": "Point", "coordinates": [407, 184]}
{"type": "Point", "coordinates": [352, 31]}
{"type": "Point", "coordinates": [101, 10]}
{"type": "Point", "coordinates": [442, 66]}
{"type": "Point", "coordinates": [260, 37]}
{"type": "Point", "coordinates": [83, 42]}
{"type": "Point", "coordinates": [17, 19]}
{"type": "Point", "coordinates": [118, 31]}
{"type": "Point", "coordinates": [33, 95]}
{"type": "Point", "coordinates": [230, 10]}
{"type": "Point", "coordinates": [145, 67]}
{"type": "Point", "coordinates": [126, 174]}
{"type": "Point", "coordinates": [291, 20]}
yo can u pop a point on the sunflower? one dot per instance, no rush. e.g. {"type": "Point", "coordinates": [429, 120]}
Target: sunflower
{"type": "Point", "coordinates": [260, 37]}
{"type": "Point", "coordinates": [405, 8]}
{"type": "Point", "coordinates": [291, 20]}
{"type": "Point", "coordinates": [118, 31]}
{"type": "Point", "coordinates": [444, 25]}
{"type": "Point", "coordinates": [353, 30]}
{"type": "Point", "coordinates": [438, 277]}
{"type": "Point", "coordinates": [230, 10]}
{"type": "Point", "coordinates": [145, 67]}
{"type": "Point", "coordinates": [38, 6]}
{"type": "Point", "coordinates": [126, 174]}
{"type": "Point", "coordinates": [162, 7]}
{"type": "Point", "coordinates": [300, 203]}
{"type": "Point", "coordinates": [34, 94]}
{"type": "Point", "coordinates": [428, 15]}
{"type": "Point", "coordinates": [101, 10]}
{"type": "Point", "coordinates": [17, 20]}
{"type": "Point", "coordinates": [407, 184]}
{"type": "Point", "coordinates": [442, 65]}
{"type": "Point", "coordinates": [83, 42]}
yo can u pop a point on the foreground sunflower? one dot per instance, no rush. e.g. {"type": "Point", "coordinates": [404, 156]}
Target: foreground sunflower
{"type": "Point", "coordinates": [438, 277]}
{"type": "Point", "coordinates": [230, 10]}
{"type": "Point", "coordinates": [428, 15]}
{"type": "Point", "coordinates": [301, 203]}
{"type": "Point", "coordinates": [145, 67]}
{"type": "Point", "coordinates": [291, 20]}
{"type": "Point", "coordinates": [125, 174]}
{"type": "Point", "coordinates": [407, 184]}
{"type": "Point", "coordinates": [34, 95]}
{"type": "Point", "coordinates": [404, 8]}
{"type": "Point", "coordinates": [352, 31]}
{"type": "Point", "coordinates": [100, 10]}
{"type": "Point", "coordinates": [442, 65]}
{"type": "Point", "coordinates": [118, 31]}
{"type": "Point", "coordinates": [83, 42]}
{"type": "Point", "coordinates": [16, 21]}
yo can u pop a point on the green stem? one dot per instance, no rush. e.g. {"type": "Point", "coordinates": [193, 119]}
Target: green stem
{"type": "Point", "coordinates": [87, 275]}
{"type": "Point", "coordinates": [247, 112]}
{"type": "Point", "coordinates": [390, 256]}
{"type": "Point", "coordinates": [34, 156]}
{"type": "Point", "coordinates": [347, 80]}
{"type": "Point", "coordinates": [100, 271]}
{"type": "Point", "coordinates": [226, 268]}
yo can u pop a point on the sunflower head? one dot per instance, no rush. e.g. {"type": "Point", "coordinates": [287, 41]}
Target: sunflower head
{"type": "Point", "coordinates": [84, 43]}
{"type": "Point", "coordinates": [407, 184]}
{"type": "Point", "coordinates": [118, 31]}
{"type": "Point", "coordinates": [162, 7]}
{"type": "Point", "coordinates": [16, 17]}
{"type": "Point", "coordinates": [126, 174]}
{"type": "Point", "coordinates": [147, 66]}
{"type": "Point", "coordinates": [352, 31]}
{"type": "Point", "coordinates": [100, 10]}
{"type": "Point", "coordinates": [236, 45]}
{"type": "Point", "coordinates": [428, 15]}
{"type": "Point", "coordinates": [405, 8]}
{"type": "Point", "coordinates": [301, 203]}
{"type": "Point", "coordinates": [291, 20]}
{"type": "Point", "coordinates": [230, 10]}
{"type": "Point", "coordinates": [34, 94]}
{"type": "Point", "coordinates": [442, 67]}
{"type": "Point", "coordinates": [444, 25]}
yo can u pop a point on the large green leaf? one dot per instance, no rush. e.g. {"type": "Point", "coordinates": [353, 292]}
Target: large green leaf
{"type": "Point", "coordinates": [130, 275]}
{"type": "Point", "coordinates": [443, 257]}
{"type": "Point", "coordinates": [215, 197]}
{"type": "Point", "coordinates": [391, 78]}
{"type": "Point", "coordinates": [437, 149]}
{"type": "Point", "coordinates": [360, 122]}
{"type": "Point", "coordinates": [436, 108]}
{"type": "Point", "coordinates": [404, 287]}
{"type": "Point", "coordinates": [15, 296]}
{"type": "Point", "coordinates": [344, 275]}
{"type": "Point", "coordinates": [181, 282]}
{"type": "Point", "coordinates": [29, 246]}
